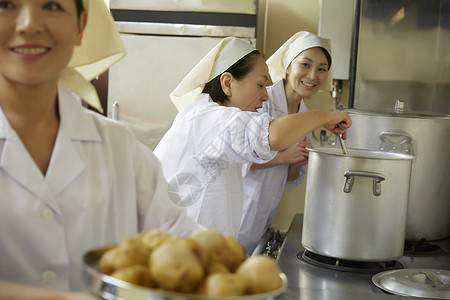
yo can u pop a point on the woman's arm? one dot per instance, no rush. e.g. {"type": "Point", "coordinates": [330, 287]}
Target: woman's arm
{"type": "Point", "coordinates": [14, 291]}
{"type": "Point", "coordinates": [287, 130]}
{"type": "Point", "coordinates": [292, 155]}
{"type": "Point", "coordinates": [276, 161]}
{"type": "Point", "coordinates": [294, 170]}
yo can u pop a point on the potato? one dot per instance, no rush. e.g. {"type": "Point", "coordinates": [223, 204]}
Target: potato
{"type": "Point", "coordinates": [106, 264]}
{"type": "Point", "coordinates": [176, 268]}
{"type": "Point", "coordinates": [237, 253]}
{"type": "Point", "coordinates": [195, 247]}
{"type": "Point", "coordinates": [137, 274]}
{"type": "Point", "coordinates": [207, 263]}
{"type": "Point", "coordinates": [217, 268]}
{"type": "Point", "coordinates": [131, 251]}
{"type": "Point", "coordinates": [154, 238]}
{"type": "Point", "coordinates": [224, 284]}
{"type": "Point", "coordinates": [261, 273]}
{"type": "Point", "coordinates": [213, 241]}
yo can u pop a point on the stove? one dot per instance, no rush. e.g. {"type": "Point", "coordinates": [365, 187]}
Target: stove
{"type": "Point", "coordinates": [348, 265]}
{"type": "Point", "coordinates": [270, 244]}
{"type": "Point", "coordinates": [311, 281]}
{"type": "Point", "coordinates": [423, 247]}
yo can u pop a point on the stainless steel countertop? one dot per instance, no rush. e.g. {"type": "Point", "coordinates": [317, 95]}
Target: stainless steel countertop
{"type": "Point", "coordinates": [308, 282]}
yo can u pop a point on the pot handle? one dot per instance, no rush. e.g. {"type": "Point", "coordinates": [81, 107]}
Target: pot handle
{"type": "Point", "coordinates": [350, 178]}
{"type": "Point", "coordinates": [394, 141]}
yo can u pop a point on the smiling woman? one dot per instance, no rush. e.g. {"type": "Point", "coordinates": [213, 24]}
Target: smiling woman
{"type": "Point", "coordinates": [22, 21]}
{"type": "Point", "coordinates": [299, 68]}
{"type": "Point", "coordinates": [70, 179]}
{"type": "Point", "coordinates": [40, 37]}
{"type": "Point", "coordinates": [218, 133]}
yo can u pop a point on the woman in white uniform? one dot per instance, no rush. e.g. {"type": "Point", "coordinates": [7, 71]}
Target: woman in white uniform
{"type": "Point", "coordinates": [70, 179]}
{"type": "Point", "coordinates": [218, 131]}
{"type": "Point", "coordinates": [299, 68]}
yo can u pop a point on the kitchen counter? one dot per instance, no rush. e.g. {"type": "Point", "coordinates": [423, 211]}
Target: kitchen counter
{"type": "Point", "coordinates": [309, 282]}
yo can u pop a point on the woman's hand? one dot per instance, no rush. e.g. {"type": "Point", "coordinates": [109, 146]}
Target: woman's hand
{"type": "Point", "coordinates": [294, 168]}
{"type": "Point", "coordinates": [339, 122]}
{"type": "Point", "coordinates": [297, 153]}
{"type": "Point", "coordinates": [287, 130]}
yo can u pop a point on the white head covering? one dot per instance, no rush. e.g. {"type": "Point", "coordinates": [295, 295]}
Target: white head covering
{"type": "Point", "coordinates": [215, 62]}
{"type": "Point", "coordinates": [100, 47]}
{"type": "Point", "coordinates": [281, 59]}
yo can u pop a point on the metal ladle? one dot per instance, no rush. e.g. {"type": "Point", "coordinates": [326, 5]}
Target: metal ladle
{"type": "Point", "coordinates": [342, 142]}
{"type": "Point", "coordinates": [343, 146]}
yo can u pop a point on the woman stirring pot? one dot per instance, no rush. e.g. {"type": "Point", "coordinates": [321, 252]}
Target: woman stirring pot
{"type": "Point", "coordinates": [218, 134]}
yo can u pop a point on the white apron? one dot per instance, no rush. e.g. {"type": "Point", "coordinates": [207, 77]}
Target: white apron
{"type": "Point", "coordinates": [202, 156]}
{"type": "Point", "coordinates": [264, 188]}
{"type": "Point", "coordinates": [101, 186]}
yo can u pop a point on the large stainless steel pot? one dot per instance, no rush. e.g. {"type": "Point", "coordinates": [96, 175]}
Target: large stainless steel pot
{"type": "Point", "coordinates": [356, 204]}
{"type": "Point", "coordinates": [425, 136]}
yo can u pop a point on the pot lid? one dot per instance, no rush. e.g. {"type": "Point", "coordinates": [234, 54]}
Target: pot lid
{"type": "Point", "coordinates": [427, 283]}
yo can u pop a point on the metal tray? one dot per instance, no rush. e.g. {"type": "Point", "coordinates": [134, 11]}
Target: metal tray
{"type": "Point", "coordinates": [427, 283]}
{"type": "Point", "coordinates": [109, 287]}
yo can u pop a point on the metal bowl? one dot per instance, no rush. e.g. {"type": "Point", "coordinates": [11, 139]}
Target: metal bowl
{"type": "Point", "coordinates": [108, 287]}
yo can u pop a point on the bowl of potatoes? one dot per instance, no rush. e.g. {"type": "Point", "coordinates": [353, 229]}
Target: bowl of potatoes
{"type": "Point", "coordinates": [156, 264]}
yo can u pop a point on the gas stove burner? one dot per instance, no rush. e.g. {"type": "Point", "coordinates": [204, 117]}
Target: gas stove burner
{"type": "Point", "coordinates": [274, 244]}
{"type": "Point", "coordinates": [348, 265]}
{"type": "Point", "coordinates": [270, 244]}
{"type": "Point", "coordinates": [422, 248]}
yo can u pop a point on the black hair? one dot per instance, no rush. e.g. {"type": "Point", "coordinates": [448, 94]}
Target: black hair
{"type": "Point", "coordinates": [239, 69]}
{"type": "Point", "coordinates": [80, 7]}
{"type": "Point", "coordinates": [328, 56]}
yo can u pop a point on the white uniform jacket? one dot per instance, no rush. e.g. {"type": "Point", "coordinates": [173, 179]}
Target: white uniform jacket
{"type": "Point", "coordinates": [101, 186]}
{"type": "Point", "coordinates": [264, 188]}
{"type": "Point", "coordinates": [202, 156]}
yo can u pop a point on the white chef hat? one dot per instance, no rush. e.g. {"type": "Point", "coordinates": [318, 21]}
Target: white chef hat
{"type": "Point", "coordinates": [215, 62]}
{"type": "Point", "coordinates": [303, 40]}
{"type": "Point", "coordinates": [100, 47]}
